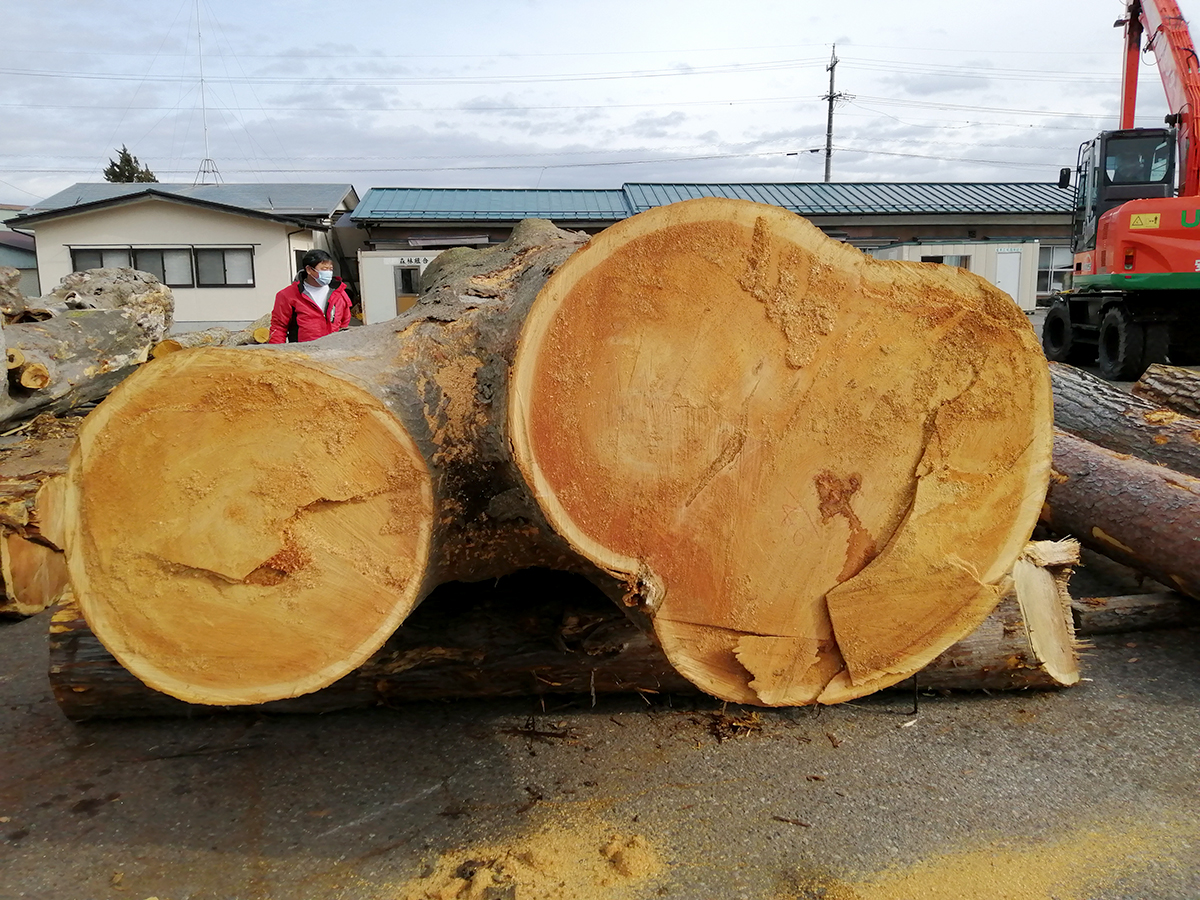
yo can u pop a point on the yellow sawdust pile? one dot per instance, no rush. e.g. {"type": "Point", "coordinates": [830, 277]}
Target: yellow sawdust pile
{"type": "Point", "coordinates": [1072, 867]}
{"type": "Point", "coordinates": [559, 862]}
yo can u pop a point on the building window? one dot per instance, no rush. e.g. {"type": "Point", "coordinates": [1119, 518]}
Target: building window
{"type": "Point", "coordinates": [963, 262]}
{"type": "Point", "coordinates": [82, 260]}
{"type": "Point", "coordinates": [407, 281]}
{"type": "Point", "coordinates": [224, 268]}
{"type": "Point", "coordinates": [1054, 268]}
{"type": "Point", "coordinates": [172, 267]}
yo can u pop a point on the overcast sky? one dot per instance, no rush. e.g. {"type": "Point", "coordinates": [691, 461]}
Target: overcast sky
{"type": "Point", "coordinates": [553, 93]}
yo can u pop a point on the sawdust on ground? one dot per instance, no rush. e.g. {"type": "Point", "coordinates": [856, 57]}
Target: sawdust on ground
{"type": "Point", "coordinates": [581, 860]}
{"type": "Point", "coordinates": [1070, 867]}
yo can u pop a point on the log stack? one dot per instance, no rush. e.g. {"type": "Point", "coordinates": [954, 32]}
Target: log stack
{"type": "Point", "coordinates": [803, 473]}
{"type": "Point", "coordinates": [1126, 478]}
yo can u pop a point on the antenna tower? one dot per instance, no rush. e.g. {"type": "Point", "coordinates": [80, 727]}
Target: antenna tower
{"type": "Point", "coordinates": [208, 165]}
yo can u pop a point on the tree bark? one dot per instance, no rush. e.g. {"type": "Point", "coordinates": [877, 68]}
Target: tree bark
{"type": "Point", "coordinates": [1098, 411]}
{"type": "Point", "coordinates": [815, 466]}
{"type": "Point", "coordinates": [808, 471]}
{"type": "Point", "coordinates": [1139, 514]}
{"type": "Point", "coordinates": [99, 327]}
{"type": "Point", "coordinates": [1173, 387]}
{"type": "Point", "coordinates": [548, 633]}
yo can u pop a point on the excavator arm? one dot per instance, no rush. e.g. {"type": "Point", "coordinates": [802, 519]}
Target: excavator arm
{"type": "Point", "coordinates": [1179, 66]}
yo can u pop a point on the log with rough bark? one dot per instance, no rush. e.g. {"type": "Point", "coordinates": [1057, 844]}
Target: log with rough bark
{"type": "Point", "coordinates": [540, 633]}
{"type": "Point", "coordinates": [1133, 612]}
{"type": "Point", "coordinates": [100, 326]}
{"type": "Point", "coordinates": [1143, 516]}
{"type": "Point", "coordinates": [1173, 387]}
{"type": "Point", "coordinates": [1102, 413]}
{"type": "Point", "coordinates": [808, 471]}
{"type": "Point", "coordinates": [257, 332]}
{"type": "Point", "coordinates": [33, 570]}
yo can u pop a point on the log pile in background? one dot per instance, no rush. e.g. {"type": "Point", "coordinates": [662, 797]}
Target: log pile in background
{"type": "Point", "coordinates": [257, 332]}
{"type": "Point", "coordinates": [805, 472]}
{"type": "Point", "coordinates": [78, 342]}
{"type": "Point", "coordinates": [1126, 478]}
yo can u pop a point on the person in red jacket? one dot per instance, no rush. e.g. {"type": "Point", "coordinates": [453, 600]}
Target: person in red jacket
{"type": "Point", "coordinates": [312, 306]}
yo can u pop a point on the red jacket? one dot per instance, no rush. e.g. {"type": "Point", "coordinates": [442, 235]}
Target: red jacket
{"type": "Point", "coordinates": [310, 322]}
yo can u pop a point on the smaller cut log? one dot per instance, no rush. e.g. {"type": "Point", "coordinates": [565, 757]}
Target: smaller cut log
{"type": "Point", "coordinates": [33, 375]}
{"type": "Point", "coordinates": [257, 332]}
{"type": "Point", "coordinates": [1102, 413]}
{"type": "Point", "coordinates": [1029, 639]}
{"type": "Point", "coordinates": [16, 358]}
{"type": "Point", "coordinates": [1143, 516]}
{"type": "Point", "coordinates": [1176, 388]}
{"type": "Point", "coordinates": [1134, 612]}
{"type": "Point", "coordinates": [539, 632]}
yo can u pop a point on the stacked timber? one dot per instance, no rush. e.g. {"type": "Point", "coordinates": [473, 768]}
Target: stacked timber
{"type": "Point", "coordinates": [802, 474]}
{"type": "Point", "coordinates": [1126, 478]}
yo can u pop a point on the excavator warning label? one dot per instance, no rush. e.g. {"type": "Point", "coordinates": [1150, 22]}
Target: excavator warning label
{"type": "Point", "coordinates": [1144, 220]}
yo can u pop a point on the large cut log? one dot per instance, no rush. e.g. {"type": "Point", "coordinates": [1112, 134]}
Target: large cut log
{"type": "Point", "coordinates": [815, 466]}
{"type": "Point", "coordinates": [98, 327]}
{"type": "Point", "coordinates": [306, 496]}
{"type": "Point", "coordinates": [33, 570]}
{"type": "Point", "coordinates": [1102, 413]}
{"type": "Point", "coordinates": [1173, 387]}
{"type": "Point", "coordinates": [1139, 514]}
{"type": "Point", "coordinates": [810, 471]}
{"type": "Point", "coordinates": [539, 633]}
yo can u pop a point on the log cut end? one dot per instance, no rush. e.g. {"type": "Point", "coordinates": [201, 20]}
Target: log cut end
{"type": "Point", "coordinates": [238, 533]}
{"type": "Point", "coordinates": [814, 468]}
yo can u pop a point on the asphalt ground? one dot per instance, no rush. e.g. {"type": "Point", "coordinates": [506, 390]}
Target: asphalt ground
{"type": "Point", "coordinates": [1088, 793]}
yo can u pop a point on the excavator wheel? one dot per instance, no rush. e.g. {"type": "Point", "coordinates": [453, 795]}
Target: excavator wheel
{"type": "Point", "coordinates": [1058, 338]}
{"type": "Point", "coordinates": [1122, 345]}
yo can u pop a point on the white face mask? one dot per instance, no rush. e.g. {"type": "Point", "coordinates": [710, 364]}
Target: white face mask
{"type": "Point", "coordinates": [324, 276]}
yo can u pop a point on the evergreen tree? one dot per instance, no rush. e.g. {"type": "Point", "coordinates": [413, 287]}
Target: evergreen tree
{"type": "Point", "coordinates": [126, 169]}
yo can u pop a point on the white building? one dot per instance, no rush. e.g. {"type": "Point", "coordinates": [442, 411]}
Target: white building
{"type": "Point", "coordinates": [224, 249]}
{"type": "Point", "coordinates": [1011, 266]}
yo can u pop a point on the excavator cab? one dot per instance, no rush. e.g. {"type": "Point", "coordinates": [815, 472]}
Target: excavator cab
{"type": "Point", "coordinates": [1117, 166]}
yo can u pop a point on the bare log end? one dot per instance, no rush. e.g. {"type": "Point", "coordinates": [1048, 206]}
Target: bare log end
{"type": "Point", "coordinates": [286, 535]}
{"type": "Point", "coordinates": [33, 376]}
{"type": "Point", "coordinates": [828, 462]}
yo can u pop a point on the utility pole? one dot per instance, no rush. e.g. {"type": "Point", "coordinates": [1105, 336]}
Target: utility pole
{"type": "Point", "coordinates": [833, 96]}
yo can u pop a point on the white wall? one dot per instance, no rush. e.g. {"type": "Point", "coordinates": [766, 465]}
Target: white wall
{"type": "Point", "coordinates": [157, 223]}
{"type": "Point", "coordinates": [989, 259]}
{"type": "Point", "coordinates": [377, 280]}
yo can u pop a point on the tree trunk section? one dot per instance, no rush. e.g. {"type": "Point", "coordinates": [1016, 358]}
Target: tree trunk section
{"type": "Point", "coordinates": [1141, 515]}
{"type": "Point", "coordinates": [542, 633]}
{"type": "Point", "coordinates": [257, 332]}
{"type": "Point", "coordinates": [814, 467]}
{"type": "Point", "coordinates": [1174, 387]}
{"type": "Point", "coordinates": [1098, 411]}
{"type": "Point", "coordinates": [308, 496]}
{"type": "Point", "coordinates": [98, 327]}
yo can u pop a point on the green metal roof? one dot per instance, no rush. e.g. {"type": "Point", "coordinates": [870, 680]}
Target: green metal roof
{"type": "Point", "coordinates": [383, 205]}
{"type": "Point", "coordinates": [489, 204]}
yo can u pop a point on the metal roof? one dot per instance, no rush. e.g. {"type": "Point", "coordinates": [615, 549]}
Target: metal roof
{"type": "Point", "coordinates": [490, 204]}
{"type": "Point", "coordinates": [382, 205]}
{"type": "Point", "coordinates": [875, 198]}
{"type": "Point", "coordinates": [279, 199]}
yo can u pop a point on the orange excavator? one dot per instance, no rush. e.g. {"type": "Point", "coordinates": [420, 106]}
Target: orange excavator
{"type": "Point", "coordinates": [1134, 296]}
